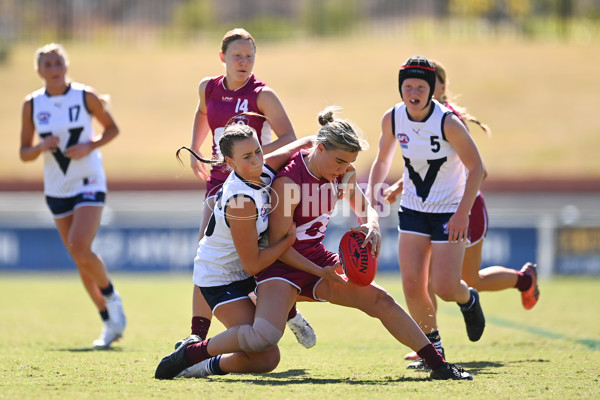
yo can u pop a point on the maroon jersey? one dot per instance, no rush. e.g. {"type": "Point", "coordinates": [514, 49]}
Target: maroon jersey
{"type": "Point", "coordinates": [317, 202]}
{"type": "Point", "coordinates": [223, 104]}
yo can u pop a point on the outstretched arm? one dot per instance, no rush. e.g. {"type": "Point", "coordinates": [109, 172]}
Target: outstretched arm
{"type": "Point", "coordinates": [281, 156]}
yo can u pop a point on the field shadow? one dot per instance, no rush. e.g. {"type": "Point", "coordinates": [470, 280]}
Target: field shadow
{"type": "Point", "coordinates": [301, 376]}
{"type": "Point", "coordinates": [86, 349]}
{"type": "Point", "coordinates": [475, 367]}
{"type": "Point", "coordinates": [485, 367]}
{"type": "Point", "coordinates": [538, 360]}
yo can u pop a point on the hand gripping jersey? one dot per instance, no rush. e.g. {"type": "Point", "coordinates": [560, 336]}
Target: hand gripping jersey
{"type": "Point", "coordinates": [317, 202]}
{"type": "Point", "coordinates": [434, 176]}
{"type": "Point", "coordinates": [223, 104]}
{"type": "Point", "coordinates": [67, 117]}
{"type": "Point", "coordinates": [217, 262]}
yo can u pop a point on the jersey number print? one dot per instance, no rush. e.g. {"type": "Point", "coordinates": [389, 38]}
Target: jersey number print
{"type": "Point", "coordinates": [241, 105]}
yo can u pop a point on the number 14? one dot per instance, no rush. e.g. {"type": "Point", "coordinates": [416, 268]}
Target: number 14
{"type": "Point", "coordinates": [241, 106]}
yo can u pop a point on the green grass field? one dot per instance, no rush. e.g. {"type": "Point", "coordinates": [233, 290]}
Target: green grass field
{"type": "Point", "coordinates": [47, 325]}
{"type": "Point", "coordinates": [539, 97]}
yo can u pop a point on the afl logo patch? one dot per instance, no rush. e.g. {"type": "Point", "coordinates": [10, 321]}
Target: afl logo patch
{"type": "Point", "coordinates": [43, 117]}
{"type": "Point", "coordinates": [402, 138]}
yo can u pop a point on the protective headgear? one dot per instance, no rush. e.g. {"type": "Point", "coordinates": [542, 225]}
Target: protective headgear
{"type": "Point", "coordinates": [418, 67]}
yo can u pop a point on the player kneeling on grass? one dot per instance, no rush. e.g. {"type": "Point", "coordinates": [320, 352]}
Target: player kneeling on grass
{"type": "Point", "coordinates": [307, 189]}
{"type": "Point", "coordinates": [229, 253]}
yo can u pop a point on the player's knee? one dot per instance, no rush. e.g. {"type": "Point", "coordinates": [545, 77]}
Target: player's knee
{"type": "Point", "coordinates": [384, 302]}
{"type": "Point", "coordinates": [258, 337]}
{"type": "Point", "coordinates": [265, 361]}
{"type": "Point", "coordinates": [446, 292]}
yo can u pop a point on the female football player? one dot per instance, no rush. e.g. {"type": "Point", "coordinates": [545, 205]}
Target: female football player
{"type": "Point", "coordinates": [492, 278]}
{"type": "Point", "coordinates": [74, 182]}
{"type": "Point", "coordinates": [442, 175]}
{"type": "Point", "coordinates": [229, 253]}
{"type": "Point", "coordinates": [221, 98]}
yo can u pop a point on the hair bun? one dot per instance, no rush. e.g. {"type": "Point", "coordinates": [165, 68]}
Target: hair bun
{"type": "Point", "coordinates": [326, 116]}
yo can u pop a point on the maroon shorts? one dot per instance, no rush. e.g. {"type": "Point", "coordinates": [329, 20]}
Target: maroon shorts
{"type": "Point", "coordinates": [303, 281]}
{"type": "Point", "coordinates": [478, 221]}
{"type": "Point", "coordinates": [214, 182]}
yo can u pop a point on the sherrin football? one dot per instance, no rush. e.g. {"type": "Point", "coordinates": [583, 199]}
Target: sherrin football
{"type": "Point", "coordinates": [360, 266]}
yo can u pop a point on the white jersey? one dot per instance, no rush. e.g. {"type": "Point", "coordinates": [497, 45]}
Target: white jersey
{"type": "Point", "coordinates": [434, 176]}
{"type": "Point", "coordinates": [217, 262]}
{"type": "Point", "coordinates": [67, 117]}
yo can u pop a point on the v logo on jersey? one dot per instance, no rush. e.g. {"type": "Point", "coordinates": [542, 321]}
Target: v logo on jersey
{"type": "Point", "coordinates": [423, 186]}
{"type": "Point", "coordinates": [61, 159]}
{"type": "Point", "coordinates": [416, 131]}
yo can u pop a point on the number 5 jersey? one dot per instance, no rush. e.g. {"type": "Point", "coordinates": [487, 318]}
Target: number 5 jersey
{"type": "Point", "coordinates": [434, 176]}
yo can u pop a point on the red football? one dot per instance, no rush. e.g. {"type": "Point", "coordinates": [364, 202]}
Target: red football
{"type": "Point", "coordinates": [360, 266]}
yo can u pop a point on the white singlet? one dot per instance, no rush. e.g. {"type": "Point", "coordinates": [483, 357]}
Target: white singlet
{"type": "Point", "coordinates": [67, 117]}
{"type": "Point", "coordinates": [434, 176]}
{"type": "Point", "coordinates": [217, 262]}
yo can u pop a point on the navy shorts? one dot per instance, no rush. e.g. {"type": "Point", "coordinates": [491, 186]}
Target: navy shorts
{"type": "Point", "coordinates": [434, 225]}
{"type": "Point", "coordinates": [218, 295]}
{"type": "Point", "coordinates": [64, 206]}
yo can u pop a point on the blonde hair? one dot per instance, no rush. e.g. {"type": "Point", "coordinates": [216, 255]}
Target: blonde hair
{"type": "Point", "coordinates": [47, 49]}
{"type": "Point", "coordinates": [440, 72]}
{"type": "Point", "coordinates": [339, 134]}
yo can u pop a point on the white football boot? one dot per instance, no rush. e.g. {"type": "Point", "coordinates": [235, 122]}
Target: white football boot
{"type": "Point", "coordinates": [115, 325]}
{"type": "Point", "coordinates": [199, 370]}
{"type": "Point", "coordinates": [305, 334]}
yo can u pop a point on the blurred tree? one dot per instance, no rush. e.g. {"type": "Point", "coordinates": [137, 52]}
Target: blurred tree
{"type": "Point", "coordinates": [565, 12]}
{"type": "Point", "coordinates": [194, 16]}
{"type": "Point", "coordinates": [326, 17]}
{"type": "Point", "coordinates": [471, 8]}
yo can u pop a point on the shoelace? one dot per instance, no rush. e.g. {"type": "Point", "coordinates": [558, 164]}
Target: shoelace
{"type": "Point", "coordinates": [457, 368]}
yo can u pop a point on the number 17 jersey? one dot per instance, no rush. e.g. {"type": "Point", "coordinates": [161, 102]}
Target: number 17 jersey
{"type": "Point", "coordinates": [67, 117]}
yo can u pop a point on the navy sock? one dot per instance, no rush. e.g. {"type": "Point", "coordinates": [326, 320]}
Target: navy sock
{"type": "Point", "coordinates": [434, 336]}
{"type": "Point", "coordinates": [469, 303]}
{"type": "Point", "coordinates": [435, 339]}
{"type": "Point", "coordinates": [214, 366]}
{"type": "Point", "coordinates": [107, 291]}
